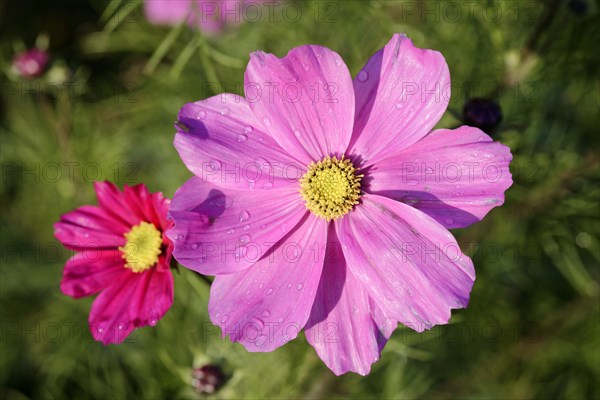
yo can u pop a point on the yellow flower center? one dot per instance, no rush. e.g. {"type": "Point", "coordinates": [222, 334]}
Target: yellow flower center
{"type": "Point", "coordinates": [142, 248]}
{"type": "Point", "coordinates": [331, 187]}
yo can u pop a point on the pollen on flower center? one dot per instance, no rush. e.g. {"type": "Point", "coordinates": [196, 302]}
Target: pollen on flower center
{"type": "Point", "coordinates": [331, 187]}
{"type": "Point", "coordinates": [142, 248]}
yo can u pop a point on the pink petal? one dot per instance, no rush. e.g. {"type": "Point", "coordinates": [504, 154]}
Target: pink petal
{"type": "Point", "coordinates": [455, 176]}
{"type": "Point", "coordinates": [408, 263]}
{"type": "Point", "coordinates": [90, 271]}
{"type": "Point", "coordinates": [220, 141]}
{"type": "Point", "coordinates": [401, 93]}
{"type": "Point", "coordinates": [268, 304]}
{"type": "Point", "coordinates": [137, 299]}
{"type": "Point", "coordinates": [304, 100]}
{"type": "Point", "coordinates": [115, 203]}
{"type": "Point", "coordinates": [90, 227]}
{"type": "Point", "coordinates": [221, 231]}
{"type": "Point", "coordinates": [345, 327]}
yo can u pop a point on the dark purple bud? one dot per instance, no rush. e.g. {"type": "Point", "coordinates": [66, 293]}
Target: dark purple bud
{"type": "Point", "coordinates": [31, 63]}
{"type": "Point", "coordinates": [482, 113]}
{"type": "Point", "coordinates": [208, 378]}
{"type": "Point", "coordinates": [578, 6]}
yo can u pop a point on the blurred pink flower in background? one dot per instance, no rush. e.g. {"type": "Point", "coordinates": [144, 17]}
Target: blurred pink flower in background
{"type": "Point", "coordinates": [30, 63]}
{"type": "Point", "coordinates": [207, 15]}
{"type": "Point", "coordinates": [124, 255]}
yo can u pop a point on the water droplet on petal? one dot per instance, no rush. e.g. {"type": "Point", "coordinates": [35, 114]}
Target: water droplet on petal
{"type": "Point", "coordinates": [247, 227]}
{"type": "Point", "coordinates": [248, 129]}
{"type": "Point", "coordinates": [224, 111]}
{"type": "Point", "coordinates": [194, 246]}
{"type": "Point", "coordinates": [267, 122]}
{"type": "Point", "coordinates": [241, 138]}
{"type": "Point", "coordinates": [289, 285]}
{"type": "Point", "coordinates": [245, 239]}
{"type": "Point", "coordinates": [306, 67]}
{"type": "Point", "coordinates": [363, 76]}
{"type": "Point", "coordinates": [153, 322]}
{"type": "Point", "coordinates": [201, 114]}
{"type": "Point", "coordinates": [269, 292]}
{"type": "Point", "coordinates": [268, 185]}
{"type": "Point", "coordinates": [261, 340]}
{"type": "Point", "coordinates": [297, 133]}
{"type": "Point", "coordinates": [244, 216]}
{"type": "Point", "coordinates": [299, 286]}
{"type": "Point", "coordinates": [232, 230]}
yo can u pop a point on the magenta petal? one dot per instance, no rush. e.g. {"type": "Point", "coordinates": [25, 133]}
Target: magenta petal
{"type": "Point", "coordinates": [455, 176]}
{"type": "Point", "coordinates": [114, 202]}
{"type": "Point", "coordinates": [401, 93]}
{"type": "Point", "coordinates": [136, 299]}
{"type": "Point", "coordinates": [90, 227]}
{"type": "Point", "coordinates": [305, 100]}
{"type": "Point", "coordinates": [408, 263]}
{"type": "Point", "coordinates": [268, 304]}
{"type": "Point", "coordinates": [345, 327]}
{"type": "Point", "coordinates": [220, 141]}
{"type": "Point", "coordinates": [220, 231]}
{"type": "Point", "coordinates": [90, 271]}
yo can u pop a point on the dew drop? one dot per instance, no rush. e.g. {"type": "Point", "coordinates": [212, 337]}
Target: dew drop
{"type": "Point", "coordinates": [269, 292]}
{"type": "Point", "coordinates": [201, 115]}
{"type": "Point", "coordinates": [267, 122]}
{"type": "Point", "coordinates": [241, 138]}
{"type": "Point", "coordinates": [299, 286]}
{"type": "Point", "coordinates": [306, 67]}
{"type": "Point", "coordinates": [363, 76]}
{"type": "Point", "coordinates": [244, 239]}
{"type": "Point", "coordinates": [153, 322]}
{"type": "Point", "coordinates": [289, 285]}
{"type": "Point", "coordinates": [225, 318]}
{"type": "Point", "coordinates": [120, 326]}
{"type": "Point", "coordinates": [260, 286]}
{"type": "Point", "coordinates": [224, 111]}
{"type": "Point", "coordinates": [232, 230]}
{"type": "Point", "coordinates": [247, 227]}
{"type": "Point", "coordinates": [261, 340]}
{"type": "Point", "coordinates": [194, 246]}
{"type": "Point", "coordinates": [297, 133]}
{"type": "Point", "coordinates": [268, 185]}
{"type": "Point", "coordinates": [244, 216]}
{"type": "Point", "coordinates": [248, 129]}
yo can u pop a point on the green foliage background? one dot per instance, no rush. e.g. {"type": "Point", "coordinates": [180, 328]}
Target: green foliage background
{"type": "Point", "coordinates": [109, 102]}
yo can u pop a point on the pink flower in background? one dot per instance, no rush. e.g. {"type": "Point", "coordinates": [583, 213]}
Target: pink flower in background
{"type": "Point", "coordinates": [323, 203]}
{"type": "Point", "coordinates": [31, 63]}
{"type": "Point", "coordinates": [124, 255]}
{"type": "Point", "coordinates": [207, 15]}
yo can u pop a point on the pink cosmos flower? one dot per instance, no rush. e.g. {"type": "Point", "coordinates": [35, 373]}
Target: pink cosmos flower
{"type": "Point", "coordinates": [323, 203]}
{"type": "Point", "coordinates": [31, 63]}
{"type": "Point", "coordinates": [207, 15]}
{"type": "Point", "coordinates": [124, 255]}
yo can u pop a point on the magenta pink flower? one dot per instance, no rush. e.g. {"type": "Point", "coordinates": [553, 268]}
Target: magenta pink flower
{"type": "Point", "coordinates": [323, 203]}
{"type": "Point", "coordinates": [207, 15]}
{"type": "Point", "coordinates": [124, 255]}
{"type": "Point", "coordinates": [31, 63]}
